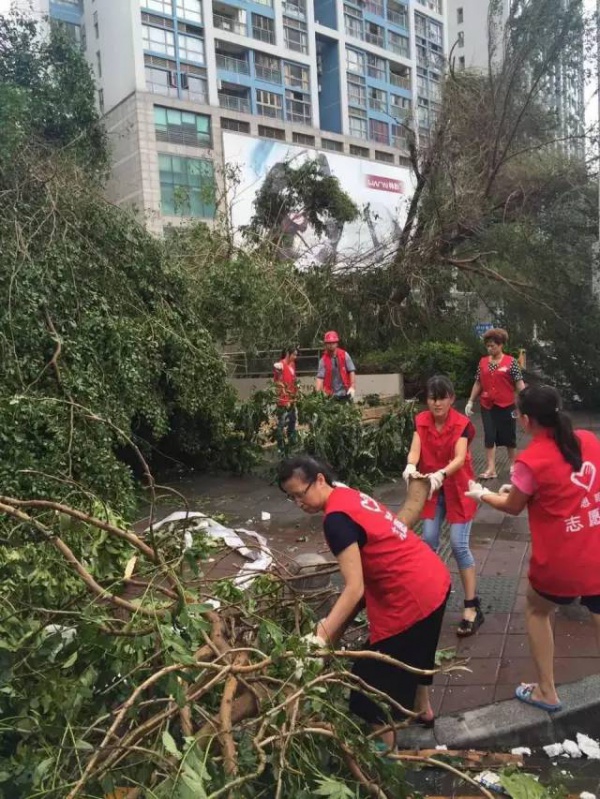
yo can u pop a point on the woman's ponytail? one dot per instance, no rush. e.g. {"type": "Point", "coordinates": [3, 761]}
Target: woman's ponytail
{"type": "Point", "coordinates": [544, 405]}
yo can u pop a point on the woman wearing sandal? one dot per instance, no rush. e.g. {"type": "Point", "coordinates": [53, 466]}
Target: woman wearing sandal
{"type": "Point", "coordinates": [404, 585]}
{"type": "Point", "coordinates": [498, 377]}
{"type": "Point", "coordinates": [557, 478]}
{"type": "Point", "coordinates": [440, 450]}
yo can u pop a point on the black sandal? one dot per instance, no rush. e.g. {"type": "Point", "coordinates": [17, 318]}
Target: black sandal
{"type": "Point", "coordinates": [467, 628]}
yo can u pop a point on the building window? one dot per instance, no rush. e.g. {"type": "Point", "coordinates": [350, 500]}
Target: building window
{"type": "Point", "coordinates": [297, 107]}
{"type": "Point", "coordinates": [269, 104]}
{"type": "Point", "coordinates": [387, 158]}
{"type": "Point", "coordinates": [161, 76]}
{"type": "Point", "coordinates": [375, 67]}
{"type": "Point", "coordinates": [379, 131]}
{"type": "Point", "coordinates": [330, 144]}
{"type": "Point", "coordinates": [399, 44]}
{"type": "Point", "coordinates": [377, 100]}
{"type": "Point", "coordinates": [295, 34]}
{"type": "Point", "coordinates": [267, 68]}
{"type": "Point", "coordinates": [460, 16]}
{"type": "Point", "coordinates": [358, 124]}
{"type": "Point", "coordinates": [460, 38]}
{"type": "Point", "coordinates": [374, 34]}
{"type": "Point", "coordinates": [271, 133]}
{"type": "Point", "coordinates": [399, 137]}
{"type": "Point", "coordinates": [435, 33]}
{"type": "Point", "coordinates": [181, 127]}
{"type": "Point", "coordinates": [397, 13]}
{"type": "Point", "coordinates": [96, 25]}
{"type": "Point", "coordinates": [355, 61]}
{"type": "Point", "coordinates": [297, 76]}
{"type": "Point", "coordinates": [101, 100]}
{"type": "Point", "coordinates": [99, 63]}
{"type": "Point", "coordinates": [235, 124]}
{"type": "Point", "coordinates": [303, 138]}
{"type": "Point", "coordinates": [162, 6]}
{"type": "Point", "coordinates": [294, 8]}
{"type": "Point", "coordinates": [193, 84]}
{"type": "Point", "coordinates": [263, 28]}
{"type": "Point", "coordinates": [72, 31]}
{"type": "Point", "coordinates": [190, 9]}
{"type": "Point", "coordinates": [158, 40]}
{"type": "Point", "coordinates": [461, 62]}
{"type": "Point", "coordinates": [357, 90]}
{"type": "Point", "coordinates": [187, 186]}
{"type": "Point", "coordinates": [191, 48]}
{"type": "Point", "coordinates": [399, 106]}
{"type": "Point", "coordinates": [353, 22]}
{"type": "Point", "coordinates": [361, 152]}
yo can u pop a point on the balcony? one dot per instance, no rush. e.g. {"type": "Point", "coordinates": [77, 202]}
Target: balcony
{"type": "Point", "coordinates": [234, 103]}
{"type": "Point", "coordinates": [229, 24]}
{"type": "Point", "coordinates": [377, 105]}
{"type": "Point", "coordinates": [375, 38]}
{"type": "Point", "coordinates": [400, 80]}
{"type": "Point", "coordinates": [381, 138]}
{"type": "Point", "coordinates": [268, 74]}
{"type": "Point", "coordinates": [399, 49]}
{"type": "Point", "coordinates": [401, 142]}
{"type": "Point", "coordinates": [231, 64]}
{"type": "Point", "coordinates": [294, 9]}
{"type": "Point", "coordinates": [397, 18]}
{"type": "Point", "coordinates": [270, 111]}
{"type": "Point", "coordinates": [373, 7]}
{"type": "Point", "coordinates": [263, 35]}
{"type": "Point", "coordinates": [302, 119]}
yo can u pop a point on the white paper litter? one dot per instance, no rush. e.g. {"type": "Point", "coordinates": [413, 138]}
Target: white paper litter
{"type": "Point", "coordinates": [570, 748]}
{"type": "Point", "coordinates": [260, 559]}
{"type": "Point", "coordinates": [490, 780]}
{"type": "Point", "coordinates": [520, 750]}
{"type": "Point", "coordinates": [587, 795]}
{"type": "Point", "coordinates": [264, 516]}
{"type": "Point", "coordinates": [442, 748]}
{"type": "Point", "coordinates": [588, 746]}
{"type": "Point", "coordinates": [553, 750]}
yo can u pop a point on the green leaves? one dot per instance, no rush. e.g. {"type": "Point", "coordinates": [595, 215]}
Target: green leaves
{"type": "Point", "coordinates": [523, 786]}
{"type": "Point", "coordinates": [333, 789]}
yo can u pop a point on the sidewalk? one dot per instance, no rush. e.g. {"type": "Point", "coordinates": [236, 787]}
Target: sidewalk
{"type": "Point", "coordinates": [499, 653]}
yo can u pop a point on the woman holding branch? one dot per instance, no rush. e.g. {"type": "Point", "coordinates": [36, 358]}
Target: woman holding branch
{"type": "Point", "coordinates": [557, 478]}
{"type": "Point", "coordinates": [403, 584]}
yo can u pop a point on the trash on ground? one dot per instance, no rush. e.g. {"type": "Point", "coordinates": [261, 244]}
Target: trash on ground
{"type": "Point", "coordinates": [570, 748]}
{"type": "Point", "coordinates": [265, 516]}
{"type": "Point", "coordinates": [588, 746]}
{"type": "Point", "coordinates": [553, 750]}
{"type": "Point", "coordinates": [488, 779]}
{"type": "Point", "coordinates": [587, 795]}
{"type": "Point", "coordinates": [520, 750]}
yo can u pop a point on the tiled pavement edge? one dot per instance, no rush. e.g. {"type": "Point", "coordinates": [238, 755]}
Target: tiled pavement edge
{"type": "Point", "coordinates": [470, 705]}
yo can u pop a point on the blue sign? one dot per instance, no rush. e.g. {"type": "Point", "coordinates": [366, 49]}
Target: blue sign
{"type": "Point", "coordinates": [481, 328]}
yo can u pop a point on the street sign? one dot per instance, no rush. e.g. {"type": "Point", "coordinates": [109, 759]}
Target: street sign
{"type": "Point", "coordinates": [481, 328]}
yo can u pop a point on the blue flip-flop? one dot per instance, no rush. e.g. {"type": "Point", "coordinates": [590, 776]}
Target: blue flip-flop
{"type": "Point", "coordinates": [523, 693]}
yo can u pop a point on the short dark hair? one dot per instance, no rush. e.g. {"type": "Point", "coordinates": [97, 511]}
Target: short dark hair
{"type": "Point", "coordinates": [497, 334]}
{"type": "Point", "coordinates": [439, 387]}
{"type": "Point", "coordinates": [288, 351]}
{"type": "Point", "coordinates": [304, 466]}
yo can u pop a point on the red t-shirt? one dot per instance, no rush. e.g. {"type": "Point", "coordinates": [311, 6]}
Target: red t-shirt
{"type": "Point", "coordinates": [405, 581]}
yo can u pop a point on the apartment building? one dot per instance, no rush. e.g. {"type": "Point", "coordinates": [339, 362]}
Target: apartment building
{"type": "Point", "coordinates": [468, 38]}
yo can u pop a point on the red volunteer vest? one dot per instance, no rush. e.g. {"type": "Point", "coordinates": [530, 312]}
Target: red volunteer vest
{"type": "Point", "coordinates": [437, 450]}
{"type": "Point", "coordinates": [404, 579]}
{"type": "Point", "coordinates": [340, 354]}
{"type": "Point", "coordinates": [286, 392]}
{"type": "Point", "coordinates": [564, 518]}
{"type": "Point", "coordinates": [497, 387]}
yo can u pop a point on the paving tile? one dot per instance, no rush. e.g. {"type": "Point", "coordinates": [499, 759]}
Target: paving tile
{"type": "Point", "coordinates": [495, 624]}
{"type": "Point", "coordinates": [504, 691]}
{"type": "Point", "coordinates": [480, 645]}
{"type": "Point", "coordinates": [481, 671]}
{"type": "Point", "coordinates": [520, 604]}
{"type": "Point", "coordinates": [517, 624]}
{"type": "Point", "coordinates": [566, 645]}
{"type": "Point", "coordinates": [436, 696]}
{"type": "Point", "coordinates": [576, 629]}
{"type": "Point", "coordinates": [466, 698]}
{"type": "Point", "coordinates": [516, 646]}
{"type": "Point", "coordinates": [575, 668]}
{"type": "Point", "coordinates": [516, 670]}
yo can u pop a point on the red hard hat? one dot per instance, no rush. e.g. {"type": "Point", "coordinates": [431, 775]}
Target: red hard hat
{"type": "Point", "coordinates": [331, 337]}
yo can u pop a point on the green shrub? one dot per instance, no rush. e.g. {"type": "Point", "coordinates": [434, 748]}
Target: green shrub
{"type": "Point", "coordinates": [455, 360]}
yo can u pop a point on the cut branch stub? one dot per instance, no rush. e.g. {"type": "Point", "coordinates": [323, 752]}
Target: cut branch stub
{"type": "Point", "coordinates": [416, 497]}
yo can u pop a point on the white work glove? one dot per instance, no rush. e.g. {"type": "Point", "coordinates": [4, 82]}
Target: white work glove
{"type": "Point", "coordinates": [476, 491]}
{"type": "Point", "coordinates": [410, 470]}
{"type": "Point", "coordinates": [313, 641]}
{"type": "Point", "coordinates": [435, 482]}
{"type": "Point", "coordinates": [505, 489]}
{"type": "Point", "coordinates": [278, 366]}
{"type": "Point", "coordinates": [351, 392]}
{"type": "Point", "coordinates": [469, 408]}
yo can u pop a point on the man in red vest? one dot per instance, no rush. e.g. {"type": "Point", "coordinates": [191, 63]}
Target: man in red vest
{"type": "Point", "coordinates": [337, 373]}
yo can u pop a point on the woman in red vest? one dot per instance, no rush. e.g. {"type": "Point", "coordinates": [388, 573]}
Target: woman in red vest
{"type": "Point", "coordinates": [440, 449]}
{"type": "Point", "coordinates": [498, 377]}
{"type": "Point", "coordinates": [557, 478]}
{"type": "Point", "coordinates": [403, 584]}
{"type": "Point", "coordinates": [286, 384]}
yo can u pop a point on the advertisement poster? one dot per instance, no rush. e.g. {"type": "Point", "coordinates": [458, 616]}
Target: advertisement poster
{"type": "Point", "coordinates": [381, 191]}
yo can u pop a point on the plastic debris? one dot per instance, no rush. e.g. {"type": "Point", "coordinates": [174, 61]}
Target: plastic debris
{"type": "Point", "coordinates": [587, 795]}
{"type": "Point", "coordinates": [265, 516]}
{"type": "Point", "coordinates": [570, 748]}
{"type": "Point", "coordinates": [488, 779]}
{"type": "Point", "coordinates": [520, 750]}
{"type": "Point", "coordinates": [553, 750]}
{"type": "Point", "coordinates": [442, 748]}
{"type": "Point", "coordinates": [588, 746]}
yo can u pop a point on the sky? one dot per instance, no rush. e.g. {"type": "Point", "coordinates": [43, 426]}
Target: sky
{"type": "Point", "coordinates": [591, 93]}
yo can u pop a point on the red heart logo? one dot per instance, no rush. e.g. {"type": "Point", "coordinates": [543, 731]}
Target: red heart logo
{"type": "Point", "coordinates": [585, 477]}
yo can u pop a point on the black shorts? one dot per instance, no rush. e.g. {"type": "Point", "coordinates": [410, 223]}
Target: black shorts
{"type": "Point", "coordinates": [499, 427]}
{"type": "Point", "coordinates": [415, 646]}
{"type": "Point", "coordinates": [592, 603]}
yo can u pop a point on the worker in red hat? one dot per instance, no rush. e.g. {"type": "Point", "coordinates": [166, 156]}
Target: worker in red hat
{"type": "Point", "coordinates": [337, 373]}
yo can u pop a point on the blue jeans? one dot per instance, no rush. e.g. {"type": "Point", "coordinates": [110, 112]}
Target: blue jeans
{"type": "Point", "coordinates": [459, 535]}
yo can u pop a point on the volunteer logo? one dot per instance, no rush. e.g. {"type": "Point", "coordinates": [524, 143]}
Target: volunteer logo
{"type": "Point", "coordinates": [585, 477]}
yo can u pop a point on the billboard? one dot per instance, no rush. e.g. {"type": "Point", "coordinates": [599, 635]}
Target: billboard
{"type": "Point", "coordinates": [381, 191]}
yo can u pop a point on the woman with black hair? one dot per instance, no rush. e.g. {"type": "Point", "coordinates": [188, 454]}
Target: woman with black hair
{"type": "Point", "coordinates": [440, 450]}
{"type": "Point", "coordinates": [286, 384]}
{"type": "Point", "coordinates": [404, 586]}
{"type": "Point", "coordinates": [557, 478]}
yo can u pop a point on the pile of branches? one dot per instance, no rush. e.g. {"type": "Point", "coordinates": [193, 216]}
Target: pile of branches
{"type": "Point", "coordinates": [152, 678]}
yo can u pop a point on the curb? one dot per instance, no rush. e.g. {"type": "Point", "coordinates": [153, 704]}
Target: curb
{"type": "Point", "coordinates": [504, 725]}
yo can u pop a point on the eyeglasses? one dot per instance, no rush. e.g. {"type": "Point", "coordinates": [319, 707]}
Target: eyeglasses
{"type": "Point", "coordinates": [299, 497]}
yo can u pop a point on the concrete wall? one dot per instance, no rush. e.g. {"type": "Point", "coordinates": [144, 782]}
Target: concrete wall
{"type": "Point", "coordinates": [365, 384]}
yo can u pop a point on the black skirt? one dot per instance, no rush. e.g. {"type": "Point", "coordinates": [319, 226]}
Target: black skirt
{"type": "Point", "coordinates": [416, 647]}
{"type": "Point", "coordinates": [499, 427]}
